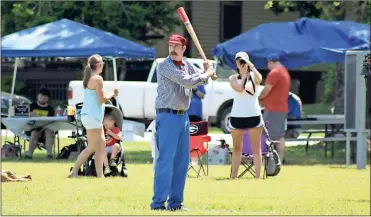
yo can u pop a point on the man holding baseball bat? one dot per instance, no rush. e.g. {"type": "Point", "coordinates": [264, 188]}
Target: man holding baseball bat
{"type": "Point", "coordinates": [176, 77]}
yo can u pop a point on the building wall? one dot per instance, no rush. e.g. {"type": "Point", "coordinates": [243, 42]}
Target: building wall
{"type": "Point", "coordinates": [205, 18]}
{"type": "Point", "coordinates": [205, 21]}
{"type": "Point", "coordinates": [161, 46]}
{"type": "Point", "coordinates": [254, 14]}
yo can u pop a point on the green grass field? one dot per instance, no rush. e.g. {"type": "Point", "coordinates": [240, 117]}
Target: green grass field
{"type": "Point", "coordinates": [312, 185]}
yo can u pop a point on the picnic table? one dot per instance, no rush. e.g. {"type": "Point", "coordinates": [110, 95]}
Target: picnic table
{"type": "Point", "coordinates": [333, 124]}
{"type": "Point", "coordinates": [19, 125]}
{"type": "Point", "coordinates": [56, 123]}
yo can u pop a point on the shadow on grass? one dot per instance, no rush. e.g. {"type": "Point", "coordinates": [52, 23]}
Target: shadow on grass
{"type": "Point", "coordinates": [223, 179]}
{"type": "Point", "coordinates": [131, 157]}
{"type": "Point", "coordinates": [36, 158]}
{"type": "Point", "coordinates": [296, 155]}
{"type": "Point", "coordinates": [345, 167]}
{"type": "Point", "coordinates": [140, 153]}
{"type": "Point", "coordinates": [247, 176]}
{"type": "Point", "coordinates": [358, 201]}
{"type": "Point", "coordinates": [138, 157]}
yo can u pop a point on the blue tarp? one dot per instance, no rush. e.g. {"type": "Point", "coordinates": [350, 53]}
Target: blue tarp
{"type": "Point", "coordinates": [299, 43]}
{"type": "Point", "coordinates": [66, 38]}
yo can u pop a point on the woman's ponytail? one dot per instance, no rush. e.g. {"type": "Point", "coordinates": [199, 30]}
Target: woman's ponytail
{"type": "Point", "coordinates": [90, 67]}
{"type": "Point", "coordinates": [87, 75]}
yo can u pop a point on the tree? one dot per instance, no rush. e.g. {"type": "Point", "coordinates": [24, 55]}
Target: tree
{"type": "Point", "coordinates": [344, 10]}
{"type": "Point", "coordinates": [6, 85]}
{"type": "Point", "coordinates": [134, 20]}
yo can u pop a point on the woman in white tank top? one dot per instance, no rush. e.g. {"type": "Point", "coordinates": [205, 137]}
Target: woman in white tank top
{"type": "Point", "coordinates": [246, 112]}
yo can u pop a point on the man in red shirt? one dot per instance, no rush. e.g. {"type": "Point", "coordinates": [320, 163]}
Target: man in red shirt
{"type": "Point", "coordinates": [275, 99]}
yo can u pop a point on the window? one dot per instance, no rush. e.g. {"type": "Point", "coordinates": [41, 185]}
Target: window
{"type": "Point", "coordinates": [137, 70]}
{"type": "Point", "coordinates": [154, 76]}
{"type": "Point", "coordinates": [230, 19]}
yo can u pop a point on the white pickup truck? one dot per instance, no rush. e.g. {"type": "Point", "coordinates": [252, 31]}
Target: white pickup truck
{"type": "Point", "coordinates": [137, 98]}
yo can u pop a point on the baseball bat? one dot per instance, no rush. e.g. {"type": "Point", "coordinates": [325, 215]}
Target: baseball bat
{"type": "Point", "coordinates": [184, 17]}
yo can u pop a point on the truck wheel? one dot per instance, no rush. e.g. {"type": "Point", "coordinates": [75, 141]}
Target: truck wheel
{"type": "Point", "coordinates": [225, 124]}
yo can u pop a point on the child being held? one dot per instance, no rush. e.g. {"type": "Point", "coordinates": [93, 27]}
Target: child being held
{"type": "Point", "coordinates": [113, 137]}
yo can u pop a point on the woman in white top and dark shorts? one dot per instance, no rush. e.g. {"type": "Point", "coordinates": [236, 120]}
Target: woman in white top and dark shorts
{"type": "Point", "coordinates": [246, 112]}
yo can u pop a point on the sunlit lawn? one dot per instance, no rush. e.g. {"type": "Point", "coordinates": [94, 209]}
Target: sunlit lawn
{"type": "Point", "coordinates": [311, 185]}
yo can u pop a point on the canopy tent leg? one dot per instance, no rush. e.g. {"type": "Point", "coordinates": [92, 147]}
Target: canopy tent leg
{"type": "Point", "coordinates": [10, 102]}
{"type": "Point", "coordinates": [115, 77]}
{"type": "Point", "coordinates": [13, 86]}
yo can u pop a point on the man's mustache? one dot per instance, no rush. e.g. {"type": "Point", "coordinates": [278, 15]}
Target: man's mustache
{"type": "Point", "coordinates": [173, 53]}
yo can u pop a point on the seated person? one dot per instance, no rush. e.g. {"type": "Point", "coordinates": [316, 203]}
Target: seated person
{"type": "Point", "coordinates": [41, 108]}
{"type": "Point", "coordinates": [295, 110]}
{"type": "Point", "coordinates": [113, 138]}
{"type": "Point", "coordinates": [195, 108]}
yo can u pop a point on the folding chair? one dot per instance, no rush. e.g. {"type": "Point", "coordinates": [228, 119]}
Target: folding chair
{"type": "Point", "coordinates": [198, 138]}
{"type": "Point", "coordinates": [247, 155]}
{"type": "Point", "coordinates": [40, 145]}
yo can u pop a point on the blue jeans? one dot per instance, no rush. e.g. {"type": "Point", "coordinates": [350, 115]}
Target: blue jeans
{"type": "Point", "coordinates": [172, 137]}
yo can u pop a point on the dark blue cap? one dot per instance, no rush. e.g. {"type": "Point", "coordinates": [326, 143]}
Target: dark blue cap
{"type": "Point", "coordinates": [273, 57]}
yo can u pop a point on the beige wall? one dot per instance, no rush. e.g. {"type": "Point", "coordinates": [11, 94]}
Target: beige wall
{"type": "Point", "coordinates": [205, 21]}
{"type": "Point", "coordinates": [254, 14]}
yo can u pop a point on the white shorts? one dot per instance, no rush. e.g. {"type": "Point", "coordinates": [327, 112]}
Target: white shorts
{"type": "Point", "coordinates": [91, 122]}
{"type": "Point", "coordinates": [109, 149]}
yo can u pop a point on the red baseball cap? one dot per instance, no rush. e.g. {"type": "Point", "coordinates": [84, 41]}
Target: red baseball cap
{"type": "Point", "coordinates": [177, 39]}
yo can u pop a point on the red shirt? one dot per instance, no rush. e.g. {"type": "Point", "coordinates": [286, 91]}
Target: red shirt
{"type": "Point", "coordinates": [109, 139]}
{"type": "Point", "coordinates": [277, 99]}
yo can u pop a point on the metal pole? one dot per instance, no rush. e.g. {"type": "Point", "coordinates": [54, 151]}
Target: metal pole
{"type": "Point", "coordinates": [347, 149]}
{"type": "Point", "coordinates": [115, 76]}
{"type": "Point", "coordinates": [13, 86]}
{"type": "Point", "coordinates": [361, 115]}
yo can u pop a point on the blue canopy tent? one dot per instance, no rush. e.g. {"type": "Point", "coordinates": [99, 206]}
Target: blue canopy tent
{"type": "Point", "coordinates": [66, 38]}
{"type": "Point", "coordinates": [299, 43]}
